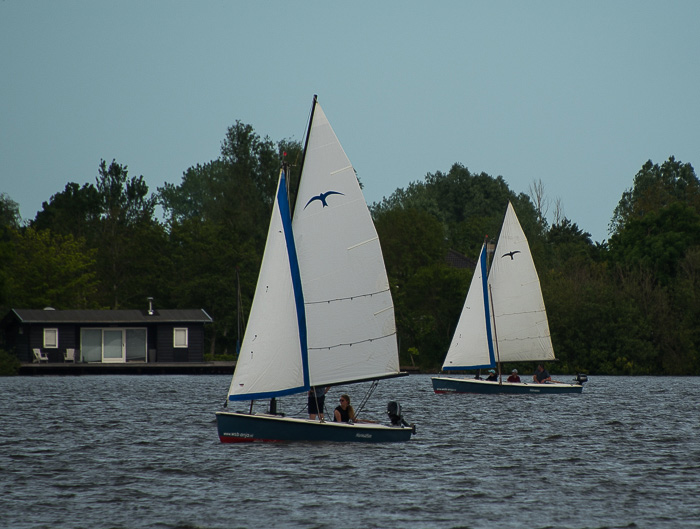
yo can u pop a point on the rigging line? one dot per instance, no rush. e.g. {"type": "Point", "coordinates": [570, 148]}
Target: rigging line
{"type": "Point", "coordinates": [328, 347]}
{"type": "Point", "coordinates": [374, 385]}
{"type": "Point", "coordinates": [348, 297]}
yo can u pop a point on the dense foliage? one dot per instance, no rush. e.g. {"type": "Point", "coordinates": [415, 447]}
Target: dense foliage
{"type": "Point", "coordinates": [626, 306]}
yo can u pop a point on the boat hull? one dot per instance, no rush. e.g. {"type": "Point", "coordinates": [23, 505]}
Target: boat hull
{"type": "Point", "coordinates": [467, 385]}
{"type": "Point", "coordinates": [235, 427]}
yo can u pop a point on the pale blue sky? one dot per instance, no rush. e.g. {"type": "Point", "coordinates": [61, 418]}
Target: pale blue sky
{"type": "Point", "coordinates": [577, 94]}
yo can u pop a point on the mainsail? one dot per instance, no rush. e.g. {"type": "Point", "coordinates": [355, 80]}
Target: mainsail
{"type": "Point", "coordinates": [520, 317]}
{"type": "Point", "coordinates": [349, 310]}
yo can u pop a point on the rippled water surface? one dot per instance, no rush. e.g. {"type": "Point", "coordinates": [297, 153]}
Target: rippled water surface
{"type": "Point", "coordinates": [142, 451]}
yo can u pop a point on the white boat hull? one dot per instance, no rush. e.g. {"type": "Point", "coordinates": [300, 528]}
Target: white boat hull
{"type": "Point", "coordinates": [472, 385]}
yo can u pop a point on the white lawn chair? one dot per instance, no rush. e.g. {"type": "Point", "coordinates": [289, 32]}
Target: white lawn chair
{"type": "Point", "coordinates": [69, 355]}
{"type": "Point", "coordinates": [40, 357]}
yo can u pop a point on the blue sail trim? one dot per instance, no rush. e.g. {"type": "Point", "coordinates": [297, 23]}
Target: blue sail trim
{"type": "Point", "coordinates": [267, 394]}
{"type": "Point", "coordinates": [285, 214]}
{"type": "Point", "coordinates": [283, 204]}
{"type": "Point", "coordinates": [489, 339]}
{"type": "Point", "coordinates": [464, 368]}
{"type": "Point", "coordinates": [487, 308]}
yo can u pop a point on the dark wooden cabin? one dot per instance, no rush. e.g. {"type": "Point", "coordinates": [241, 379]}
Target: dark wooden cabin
{"type": "Point", "coordinates": [105, 336]}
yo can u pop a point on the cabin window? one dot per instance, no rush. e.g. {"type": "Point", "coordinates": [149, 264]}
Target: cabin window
{"type": "Point", "coordinates": [50, 338]}
{"type": "Point", "coordinates": [180, 337]}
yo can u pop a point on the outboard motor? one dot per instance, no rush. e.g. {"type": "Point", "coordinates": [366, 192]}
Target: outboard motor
{"type": "Point", "coordinates": [580, 379]}
{"type": "Point", "coordinates": [393, 409]}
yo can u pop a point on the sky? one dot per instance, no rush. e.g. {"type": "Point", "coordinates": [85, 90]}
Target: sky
{"type": "Point", "coordinates": [575, 95]}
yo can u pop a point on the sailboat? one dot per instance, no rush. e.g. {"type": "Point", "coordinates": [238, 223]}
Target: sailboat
{"type": "Point", "coordinates": [503, 320]}
{"type": "Point", "coordinates": [322, 313]}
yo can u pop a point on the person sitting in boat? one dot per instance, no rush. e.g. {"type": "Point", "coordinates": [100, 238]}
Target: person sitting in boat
{"type": "Point", "coordinates": [493, 377]}
{"type": "Point", "coordinates": [317, 400]}
{"type": "Point", "coordinates": [344, 412]}
{"type": "Point", "coordinates": [541, 376]}
{"type": "Point", "coordinates": [514, 376]}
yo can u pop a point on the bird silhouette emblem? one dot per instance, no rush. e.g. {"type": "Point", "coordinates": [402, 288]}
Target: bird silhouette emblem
{"type": "Point", "coordinates": [322, 198]}
{"type": "Point", "coordinates": [510, 254]}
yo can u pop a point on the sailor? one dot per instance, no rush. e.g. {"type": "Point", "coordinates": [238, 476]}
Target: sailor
{"type": "Point", "coordinates": [344, 412]}
{"type": "Point", "coordinates": [541, 376]}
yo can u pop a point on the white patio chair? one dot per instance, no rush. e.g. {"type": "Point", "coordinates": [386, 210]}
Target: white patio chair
{"type": "Point", "coordinates": [40, 357]}
{"type": "Point", "coordinates": [69, 355]}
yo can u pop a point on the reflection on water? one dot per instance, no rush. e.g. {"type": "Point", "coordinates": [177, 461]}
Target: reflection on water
{"type": "Point", "coordinates": [142, 451]}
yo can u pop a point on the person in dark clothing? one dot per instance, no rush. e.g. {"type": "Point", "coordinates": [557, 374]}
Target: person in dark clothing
{"type": "Point", "coordinates": [344, 412]}
{"type": "Point", "coordinates": [317, 399]}
{"type": "Point", "coordinates": [541, 376]}
{"type": "Point", "coordinates": [493, 377]}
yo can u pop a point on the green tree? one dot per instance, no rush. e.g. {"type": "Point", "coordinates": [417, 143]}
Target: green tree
{"type": "Point", "coordinates": [658, 241]}
{"type": "Point", "coordinates": [258, 159]}
{"type": "Point", "coordinates": [75, 210]}
{"type": "Point", "coordinates": [656, 187]}
{"type": "Point", "coordinates": [10, 222]}
{"type": "Point", "coordinates": [51, 270]}
{"type": "Point", "coordinates": [130, 241]}
{"type": "Point", "coordinates": [9, 212]}
{"type": "Point", "coordinates": [217, 221]}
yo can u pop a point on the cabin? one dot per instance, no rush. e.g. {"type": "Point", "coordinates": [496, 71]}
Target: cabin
{"type": "Point", "coordinates": [454, 259]}
{"type": "Point", "coordinates": [104, 336]}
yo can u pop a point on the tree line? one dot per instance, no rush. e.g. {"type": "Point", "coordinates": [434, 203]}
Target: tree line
{"type": "Point", "coordinates": [629, 305]}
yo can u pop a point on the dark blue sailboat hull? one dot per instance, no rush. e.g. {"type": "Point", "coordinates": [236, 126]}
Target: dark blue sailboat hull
{"type": "Point", "coordinates": [471, 385]}
{"type": "Point", "coordinates": [235, 427]}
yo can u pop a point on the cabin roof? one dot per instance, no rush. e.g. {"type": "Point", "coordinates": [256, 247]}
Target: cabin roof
{"type": "Point", "coordinates": [111, 316]}
{"type": "Point", "coordinates": [456, 259]}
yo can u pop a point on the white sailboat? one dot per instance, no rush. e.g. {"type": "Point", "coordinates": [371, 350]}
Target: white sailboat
{"type": "Point", "coordinates": [322, 314]}
{"type": "Point", "coordinates": [503, 320]}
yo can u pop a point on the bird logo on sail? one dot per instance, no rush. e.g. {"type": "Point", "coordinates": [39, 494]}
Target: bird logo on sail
{"type": "Point", "coordinates": [510, 254]}
{"type": "Point", "coordinates": [322, 198]}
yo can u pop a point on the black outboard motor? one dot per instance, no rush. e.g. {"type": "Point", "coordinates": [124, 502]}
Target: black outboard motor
{"type": "Point", "coordinates": [393, 409]}
{"type": "Point", "coordinates": [580, 379]}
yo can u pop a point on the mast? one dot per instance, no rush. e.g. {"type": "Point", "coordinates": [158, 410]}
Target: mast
{"type": "Point", "coordinates": [490, 249]}
{"type": "Point", "coordinates": [239, 310]}
{"type": "Point", "coordinates": [303, 155]}
{"type": "Point", "coordinates": [495, 337]}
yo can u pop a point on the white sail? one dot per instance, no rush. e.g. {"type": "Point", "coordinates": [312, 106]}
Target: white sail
{"type": "Point", "coordinates": [349, 310]}
{"type": "Point", "coordinates": [521, 327]}
{"type": "Point", "coordinates": [271, 361]}
{"type": "Point", "coordinates": [471, 347]}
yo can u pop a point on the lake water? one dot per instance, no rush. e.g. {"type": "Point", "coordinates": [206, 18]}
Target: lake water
{"type": "Point", "coordinates": [142, 451]}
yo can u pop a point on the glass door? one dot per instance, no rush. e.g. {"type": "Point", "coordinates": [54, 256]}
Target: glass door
{"type": "Point", "coordinates": [113, 345]}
